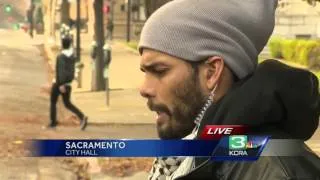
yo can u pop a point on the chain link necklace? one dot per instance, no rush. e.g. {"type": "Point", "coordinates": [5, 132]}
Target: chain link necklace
{"type": "Point", "coordinates": [204, 109]}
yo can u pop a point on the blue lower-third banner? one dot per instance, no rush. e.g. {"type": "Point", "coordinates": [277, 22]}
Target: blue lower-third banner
{"type": "Point", "coordinates": [237, 147]}
{"type": "Point", "coordinates": [123, 148]}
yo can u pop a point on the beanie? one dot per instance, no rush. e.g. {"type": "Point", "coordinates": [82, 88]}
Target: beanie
{"type": "Point", "coordinates": [194, 30]}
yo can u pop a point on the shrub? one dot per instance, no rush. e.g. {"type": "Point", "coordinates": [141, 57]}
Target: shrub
{"type": "Point", "coordinates": [303, 52]}
{"type": "Point", "coordinates": [314, 58]}
{"type": "Point", "coordinates": [305, 55]}
{"type": "Point", "coordinates": [275, 47]}
{"type": "Point", "coordinates": [298, 49]}
{"type": "Point", "coordinates": [288, 49]}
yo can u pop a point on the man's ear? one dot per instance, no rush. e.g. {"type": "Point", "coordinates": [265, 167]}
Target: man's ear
{"type": "Point", "coordinates": [214, 67]}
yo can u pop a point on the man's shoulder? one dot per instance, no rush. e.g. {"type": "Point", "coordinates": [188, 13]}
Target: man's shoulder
{"type": "Point", "coordinates": [275, 167]}
{"type": "Point", "coordinates": [62, 56]}
{"type": "Point", "coordinates": [265, 168]}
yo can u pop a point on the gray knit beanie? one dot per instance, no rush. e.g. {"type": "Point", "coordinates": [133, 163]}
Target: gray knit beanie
{"type": "Point", "coordinates": [194, 30]}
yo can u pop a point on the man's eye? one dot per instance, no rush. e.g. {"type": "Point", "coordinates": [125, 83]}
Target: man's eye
{"type": "Point", "coordinates": [160, 71]}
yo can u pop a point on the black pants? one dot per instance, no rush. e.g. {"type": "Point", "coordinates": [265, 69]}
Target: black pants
{"type": "Point", "coordinates": [55, 92]}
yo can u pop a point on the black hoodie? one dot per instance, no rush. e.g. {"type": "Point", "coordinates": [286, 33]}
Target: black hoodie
{"type": "Point", "coordinates": [65, 66]}
{"type": "Point", "coordinates": [277, 96]}
{"type": "Point", "coordinates": [276, 100]}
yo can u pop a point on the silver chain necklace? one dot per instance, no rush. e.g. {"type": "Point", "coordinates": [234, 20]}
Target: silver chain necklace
{"type": "Point", "coordinates": [200, 116]}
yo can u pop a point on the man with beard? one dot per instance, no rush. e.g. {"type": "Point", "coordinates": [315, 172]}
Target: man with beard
{"type": "Point", "coordinates": [201, 67]}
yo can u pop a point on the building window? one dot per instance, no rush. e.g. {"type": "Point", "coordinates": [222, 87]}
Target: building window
{"type": "Point", "coordinates": [138, 10]}
{"type": "Point", "coordinates": [303, 36]}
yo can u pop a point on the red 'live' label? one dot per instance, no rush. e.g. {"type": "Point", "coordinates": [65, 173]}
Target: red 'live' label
{"type": "Point", "coordinates": [217, 131]}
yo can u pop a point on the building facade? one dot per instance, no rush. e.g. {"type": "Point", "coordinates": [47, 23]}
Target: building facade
{"type": "Point", "coordinates": [297, 19]}
{"type": "Point", "coordinates": [120, 17]}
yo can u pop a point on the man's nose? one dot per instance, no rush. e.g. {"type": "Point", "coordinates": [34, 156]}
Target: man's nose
{"type": "Point", "coordinates": [147, 89]}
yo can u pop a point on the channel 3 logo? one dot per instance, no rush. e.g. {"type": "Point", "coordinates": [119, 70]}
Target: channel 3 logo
{"type": "Point", "coordinates": [241, 142]}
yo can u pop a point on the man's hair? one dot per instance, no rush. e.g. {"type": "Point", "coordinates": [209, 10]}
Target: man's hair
{"type": "Point", "coordinates": [66, 43]}
{"type": "Point", "coordinates": [195, 66]}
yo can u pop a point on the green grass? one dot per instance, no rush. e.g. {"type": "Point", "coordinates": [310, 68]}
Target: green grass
{"type": "Point", "coordinates": [133, 45]}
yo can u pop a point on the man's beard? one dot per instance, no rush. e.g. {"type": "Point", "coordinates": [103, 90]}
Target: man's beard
{"type": "Point", "coordinates": [187, 102]}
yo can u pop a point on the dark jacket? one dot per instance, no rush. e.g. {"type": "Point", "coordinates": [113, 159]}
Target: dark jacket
{"type": "Point", "coordinates": [65, 68]}
{"type": "Point", "coordinates": [276, 100]}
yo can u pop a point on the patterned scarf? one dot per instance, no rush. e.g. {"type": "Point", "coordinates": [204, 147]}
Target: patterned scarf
{"type": "Point", "coordinates": [169, 168]}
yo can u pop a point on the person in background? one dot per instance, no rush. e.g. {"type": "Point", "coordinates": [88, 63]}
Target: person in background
{"type": "Point", "coordinates": [65, 65]}
{"type": "Point", "coordinates": [110, 27]}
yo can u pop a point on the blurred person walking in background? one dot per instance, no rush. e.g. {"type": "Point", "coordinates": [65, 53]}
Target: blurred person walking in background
{"type": "Point", "coordinates": [65, 65]}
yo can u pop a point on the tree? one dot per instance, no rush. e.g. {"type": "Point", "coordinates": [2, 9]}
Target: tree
{"type": "Point", "coordinates": [30, 14]}
{"type": "Point", "coordinates": [98, 80]}
{"type": "Point", "coordinates": [153, 5]}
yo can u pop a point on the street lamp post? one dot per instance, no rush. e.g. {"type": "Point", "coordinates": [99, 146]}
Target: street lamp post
{"type": "Point", "coordinates": [99, 35]}
{"type": "Point", "coordinates": [129, 21]}
{"type": "Point", "coordinates": [78, 45]}
{"type": "Point", "coordinates": [30, 18]}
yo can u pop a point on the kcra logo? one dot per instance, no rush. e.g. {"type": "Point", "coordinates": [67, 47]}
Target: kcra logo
{"type": "Point", "coordinates": [238, 144]}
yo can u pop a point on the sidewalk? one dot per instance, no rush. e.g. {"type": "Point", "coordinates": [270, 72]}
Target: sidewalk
{"type": "Point", "coordinates": [126, 104]}
{"type": "Point", "coordinates": [126, 107]}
